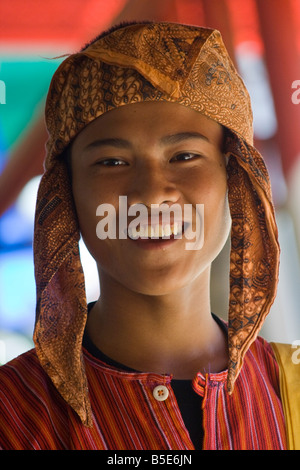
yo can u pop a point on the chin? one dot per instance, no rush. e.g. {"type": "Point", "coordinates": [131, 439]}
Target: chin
{"type": "Point", "coordinates": [163, 284]}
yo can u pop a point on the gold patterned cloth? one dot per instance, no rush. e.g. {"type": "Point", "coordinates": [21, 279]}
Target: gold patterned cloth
{"type": "Point", "coordinates": [184, 64]}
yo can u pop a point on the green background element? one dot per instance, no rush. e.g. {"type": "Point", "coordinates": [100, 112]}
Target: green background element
{"type": "Point", "coordinates": [27, 81]}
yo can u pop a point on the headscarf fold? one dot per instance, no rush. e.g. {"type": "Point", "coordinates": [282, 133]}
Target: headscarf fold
{"type": "Point", "coordinates": [188, 65]}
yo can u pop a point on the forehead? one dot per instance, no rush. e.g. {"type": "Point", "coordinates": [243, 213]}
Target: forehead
{"type": "Point", "coordinates": [155, 119]}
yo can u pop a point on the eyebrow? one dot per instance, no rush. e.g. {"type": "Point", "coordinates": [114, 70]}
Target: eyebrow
{"type": "Point", "coordinates": [113, 142]}
{"type": "Point", "coordinates": [179, 137]}
{"type": "Point", "coordinates": [166, 140]}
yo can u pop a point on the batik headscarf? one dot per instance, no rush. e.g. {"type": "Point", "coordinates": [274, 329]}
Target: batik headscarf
{"type": "Point", "coordinates": [169, 62]}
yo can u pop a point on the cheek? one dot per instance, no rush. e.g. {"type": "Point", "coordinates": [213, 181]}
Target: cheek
{"type": "Point", "coordinates": [212, 193]}
{"type": "Point", "coordinates": [209, 187]}
{"type": "Point", "coordinates": [88, 196]}
{"type": "Point", "coordinates": [86, 202]}
{"type": "Point", "coordinates": [85, 206]}
{"type": "Point", "coordinates": [217, 222]}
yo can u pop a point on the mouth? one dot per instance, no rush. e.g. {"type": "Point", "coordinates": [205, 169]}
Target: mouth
{"type": "Point", "coordinates": [152, 237]}
{"type": "Point", "coordinates": [156, 232]}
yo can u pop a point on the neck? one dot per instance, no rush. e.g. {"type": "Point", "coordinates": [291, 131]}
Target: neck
{"type": "Point", "coordinates": [171, 333]}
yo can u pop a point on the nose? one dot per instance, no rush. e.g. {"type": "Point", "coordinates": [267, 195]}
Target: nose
{"type": "Point", "coordinates": [153, 184]}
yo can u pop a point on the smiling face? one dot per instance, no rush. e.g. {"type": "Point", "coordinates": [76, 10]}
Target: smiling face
{"type": "Point", "coordinates": [152, 153]}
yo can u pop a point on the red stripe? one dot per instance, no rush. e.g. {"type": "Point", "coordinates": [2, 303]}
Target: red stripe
{"type": "Point", "coordinates": [127, 416]}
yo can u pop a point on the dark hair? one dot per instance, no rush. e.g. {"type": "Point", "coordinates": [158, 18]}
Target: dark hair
{"type": "Point", "coordinates": [66, 156]}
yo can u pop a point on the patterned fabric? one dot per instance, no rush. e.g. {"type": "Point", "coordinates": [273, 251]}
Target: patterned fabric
{"type": "Point", "coordinates": [148, 62]}
{"type": "Point", "coordinates": [126, 416]}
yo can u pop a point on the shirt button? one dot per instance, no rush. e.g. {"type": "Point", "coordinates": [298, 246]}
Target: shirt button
{"type": "Point", "coordinates": [160, 392]}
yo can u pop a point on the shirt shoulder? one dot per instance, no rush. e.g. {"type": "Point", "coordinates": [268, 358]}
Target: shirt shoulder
{"type": "Point", "coordinates": [23, 372]}
{"type": "Point", "coordinates": [261, 348]}
{"type": "Point", "coordinates": [262, 355]}
{"type": "Point", "coordinates": [33, 414]}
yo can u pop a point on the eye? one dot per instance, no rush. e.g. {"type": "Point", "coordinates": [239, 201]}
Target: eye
{"type": "Point", "coordinates": [111, 162]}
{"type": "Point", "coordinates": [185, 156]}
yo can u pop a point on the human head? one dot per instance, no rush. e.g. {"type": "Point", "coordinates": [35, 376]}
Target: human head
{"type": "Point", "coordinates": [151, 154]}
{"type": "Point", "coordinates": [187, 65]}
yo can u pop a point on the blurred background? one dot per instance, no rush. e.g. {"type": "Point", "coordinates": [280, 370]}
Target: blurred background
{"type": "Point", "coordinates": [263, 38]}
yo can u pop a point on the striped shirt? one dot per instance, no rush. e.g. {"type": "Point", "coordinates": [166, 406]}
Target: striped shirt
{"type": "Point", "coordinates": [128, 416]}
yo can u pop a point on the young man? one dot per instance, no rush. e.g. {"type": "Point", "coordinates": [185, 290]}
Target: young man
{"type": "Point", "coordinates": [156, 115]}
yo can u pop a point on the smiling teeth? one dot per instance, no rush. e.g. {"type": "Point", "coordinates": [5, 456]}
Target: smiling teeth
{"type": "Point", "coordinates": [154, 231]}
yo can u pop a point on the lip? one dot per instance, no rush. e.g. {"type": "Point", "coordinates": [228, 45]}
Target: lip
{"type": "Point", "coordinates": [159, 219]}
{"type": "Point", "coordinates": [152, 244]}
{"type": "Point", "coordinates": [158, 243]}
